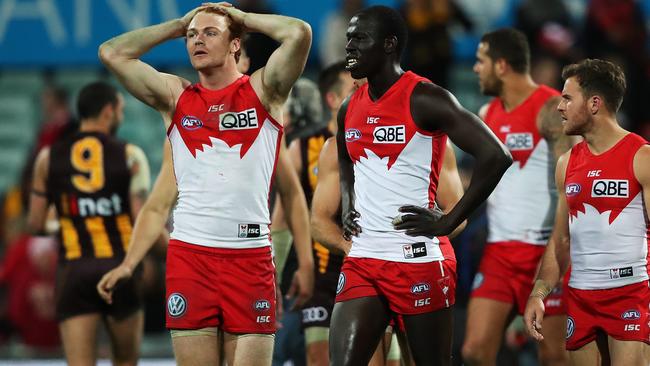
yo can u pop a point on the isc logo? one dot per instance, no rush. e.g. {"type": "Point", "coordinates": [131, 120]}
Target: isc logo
{"type": "Point", "coordinates": [610, 188]}
{"type": "Point", "coordinates": [264, 319]}
{"type": "Point", "coordinates": [249, 230]}
{"type": "Point", "coordinates": [389, 135]}
{"type": "Point", "coordinates": [243, 120]}
{"type": "Point", "coordinates": [422, 302]}
{"type": "Point", "coordinates": [632, 327]}
{"type": "Point", "coordinates": [519, 141]}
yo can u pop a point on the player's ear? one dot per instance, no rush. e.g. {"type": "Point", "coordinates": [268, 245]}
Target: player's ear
{"type": "Point", "coordinates": [595, 102]}
{"type": "Point", "coordinates": [390, 44]}
{"type": "Point", "coordinates": [235, 45]}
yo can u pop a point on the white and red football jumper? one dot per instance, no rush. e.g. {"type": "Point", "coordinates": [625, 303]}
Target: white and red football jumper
{"type": "Point", "coordinates": [225, 147]}
{"type": "Point", "coordinates": [607, 217]}
{"type": "Point", "coordinates": [395, 164]}
{"type": "Point", "coordinates": [522, 206]}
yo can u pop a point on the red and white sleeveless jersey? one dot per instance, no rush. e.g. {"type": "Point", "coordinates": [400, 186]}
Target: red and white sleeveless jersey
{"type": "Point", "coordinates": [522, 206]}
{"type": "Point", "coordinates": [395, 164]}
{"type": "Point", "coordinates": [225, 146]}
{"type": "Point", "coordinates": [607, 218]}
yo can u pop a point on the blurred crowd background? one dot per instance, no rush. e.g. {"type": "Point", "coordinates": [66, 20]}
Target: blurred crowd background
{"type": "Point", "coordinates": [48, 51]}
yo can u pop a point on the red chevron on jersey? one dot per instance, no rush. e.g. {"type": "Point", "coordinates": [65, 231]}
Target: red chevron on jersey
{"type": "Point", "coordinates": [517, 129]}
{"type": "Point", "coordinates": [384, 126]}
{"type": "Point", "coordinates": [385, 140]}
{"type": "Point", "coordinates": [604, 182]}
{"type": "Point", "coordinates": [226, 114]}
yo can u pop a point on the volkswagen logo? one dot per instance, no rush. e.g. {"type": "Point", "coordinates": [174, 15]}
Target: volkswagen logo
{"type": "Point", "coordinates": [176, 305]}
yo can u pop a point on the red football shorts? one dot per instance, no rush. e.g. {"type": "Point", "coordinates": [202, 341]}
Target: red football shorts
{"type": "Point", "coordinates": [620, 312]}
{"type": "Point", "coordinates": [410, 288]}
{"type": "Point", "coordinates": [507, 274]}
{"type": "Point", "coordinates": [233, 289]}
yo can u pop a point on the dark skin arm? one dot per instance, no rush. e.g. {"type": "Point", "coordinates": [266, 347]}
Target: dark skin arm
{"type": "Point", "coordinates": [435, 109]}
{"type": "Point", "coordinates": [346, 172]}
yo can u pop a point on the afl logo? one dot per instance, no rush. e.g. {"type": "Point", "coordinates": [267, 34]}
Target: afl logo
{"type": "Point", "coordinates": [176, 305]}
{"type": "Point", "coordinates": [570, 327]}
{"type": "Point", "coordinates": [573, 189]}
{"type": "Point", "coordinates": [191, 123]}
{"type": "Point", "coordinates": [420, 288]}
{"type": "Point", "coordinates": [262, 305]}
{"type": "Point", "coordinates": [341, 284]}
{"type": "Point", "coordinates": [352, 134]}
{"type": "Point", "coordinates": [631, 315]}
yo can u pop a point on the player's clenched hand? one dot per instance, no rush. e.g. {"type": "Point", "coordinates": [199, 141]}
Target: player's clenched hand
{"type": "Point", "coordinates": [302, 286]}
{"type": "Point", "coordinates": [111, 279]}
{"type": "Point", "coordinates": [350, 225]}
{"type": "Point", "coordinates": [418, 221]}
{"type": "Point", "coordinates": [533, 317]}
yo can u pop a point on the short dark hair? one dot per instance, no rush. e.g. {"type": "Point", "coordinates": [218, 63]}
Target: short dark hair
{"type": "Point", "coordinates": [599, 77]}
{"type": "Point", "coordinates": [329, 79]}
{"type": "Point", "coordinates": [390, 23]}
{"type": "Point", "coordinates": [94, 97]}
{"type": "Point", "coordinates": [510, 45]}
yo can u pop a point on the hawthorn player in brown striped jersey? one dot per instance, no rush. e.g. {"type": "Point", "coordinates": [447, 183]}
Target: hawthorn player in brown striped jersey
{"type": "Point", "coordinates": [97, 184]}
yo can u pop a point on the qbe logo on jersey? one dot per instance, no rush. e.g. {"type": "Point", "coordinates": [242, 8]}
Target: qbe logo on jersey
{"type": "Point", "coordinates": [244, 120]}
{"type": "Point", "coordinates": [617, 188]}
{"type": "Point", "coordinates": [389, 135]}
{"type": "Point", "coordinates": [519, 141]}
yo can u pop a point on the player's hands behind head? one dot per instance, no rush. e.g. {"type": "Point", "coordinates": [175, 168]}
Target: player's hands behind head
{"type": "Point", "coordinates": [227, 9]}
{"type": "Point", "coordinates": [111, 280]}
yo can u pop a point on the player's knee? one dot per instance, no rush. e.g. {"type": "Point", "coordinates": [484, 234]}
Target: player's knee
{"type": "Point", "coordinates": [473, 353]}
{"type": "Point", "coordinates": [553, 356]}
{"type": "Point", "coordinates": [317, 358]}
{"type": "Point", "coordinates": [125, 362]}
{"type": "Point", "coordinates": [125, 358]}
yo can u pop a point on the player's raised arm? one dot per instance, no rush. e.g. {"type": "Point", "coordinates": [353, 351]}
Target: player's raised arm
{"type": "Point", "coordinates": [121, 55]}
{"type": "Point", "coordinates": [287, 62]}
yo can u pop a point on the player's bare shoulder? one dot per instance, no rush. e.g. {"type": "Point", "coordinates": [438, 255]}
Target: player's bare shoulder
{"type": "Point", "coordinates": [642, 165]}
{"type": "Point", "coordinates": [549, 120]}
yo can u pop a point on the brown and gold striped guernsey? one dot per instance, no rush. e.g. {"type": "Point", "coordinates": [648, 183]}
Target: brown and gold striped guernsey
{"type": "Point", "coordinates": [88, 181]}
